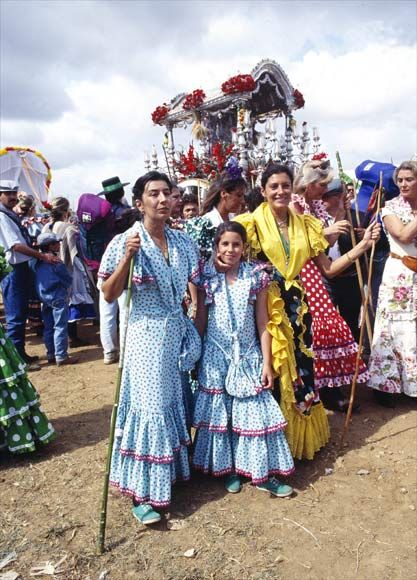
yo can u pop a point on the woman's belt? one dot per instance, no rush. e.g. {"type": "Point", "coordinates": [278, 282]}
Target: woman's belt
{"type": "Point", "coordinates": [409, 261]}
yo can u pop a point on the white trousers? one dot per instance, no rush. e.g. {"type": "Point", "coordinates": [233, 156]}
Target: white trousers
{"type": "Point", "coordinates": [109, 335]}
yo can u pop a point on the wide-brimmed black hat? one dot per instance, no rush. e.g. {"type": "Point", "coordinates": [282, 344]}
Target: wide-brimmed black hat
{"type": "Point", "coordinates": [111, 185]}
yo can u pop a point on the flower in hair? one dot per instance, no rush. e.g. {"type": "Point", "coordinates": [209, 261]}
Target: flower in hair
{"type": "Point", "coordinates": [233, 170]}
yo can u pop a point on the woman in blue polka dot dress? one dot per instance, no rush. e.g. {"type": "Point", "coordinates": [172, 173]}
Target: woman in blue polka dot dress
{"type": "Point", "coordinates": [150, 451]}
{"type": "Point", "coordinates": [240, 427]}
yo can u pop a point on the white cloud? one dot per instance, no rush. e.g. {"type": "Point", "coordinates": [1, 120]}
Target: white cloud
{"type": "Point", "coordinates": [354, 62]}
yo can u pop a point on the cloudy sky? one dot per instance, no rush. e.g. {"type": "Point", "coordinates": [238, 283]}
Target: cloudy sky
{"type": "Point", "coordinates": [79, 79]}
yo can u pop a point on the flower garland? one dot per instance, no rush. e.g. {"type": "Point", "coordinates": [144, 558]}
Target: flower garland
{"type": "Point", "coordinates": [194, 100]}
{"type": "Point", "coordinates": [238, 84]}
{"type": "Point", "coordinates": [299, 101]}
{"type": "Point", "coordinates": [190, 164]}
{"type": "Point", "coordinates": [159, 114]}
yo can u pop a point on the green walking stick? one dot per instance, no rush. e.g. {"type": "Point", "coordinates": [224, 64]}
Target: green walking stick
{"type": "Point", "coordinates": [104, 497]}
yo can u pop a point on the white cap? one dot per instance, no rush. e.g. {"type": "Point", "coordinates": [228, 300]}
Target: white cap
{"type": "Point", "coordinates": [8, 185]}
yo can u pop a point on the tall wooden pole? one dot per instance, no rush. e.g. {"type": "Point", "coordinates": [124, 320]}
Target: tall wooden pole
{"type": "Point", "coordinates": [104, 497]}
{"type": "Point", "coordinates": [358, 357]}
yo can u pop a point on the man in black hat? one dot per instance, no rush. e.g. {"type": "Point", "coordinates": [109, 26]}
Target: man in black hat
{"type": "Point", "coordinates": [16, 286]}
{"type": "Point", "coordinates": [114, 193]}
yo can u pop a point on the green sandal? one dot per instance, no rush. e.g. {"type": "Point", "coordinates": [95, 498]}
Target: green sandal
{"type": "Point", "coordinates": [233, 484]}
{"type": "Point", "coordinates": [146, 514]}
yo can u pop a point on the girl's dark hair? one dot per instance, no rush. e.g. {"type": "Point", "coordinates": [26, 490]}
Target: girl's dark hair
{"type": "Point", "coordinates": [189, 198]}
{"type": "Point", "coordinates": [222, 183]}
{"type": "Point", "coordinates": [254, 198]}
{"type": "Point", "coordinates": [141, 183]}
{"type": "Point", "coordinates": [234, 227]}
{"type": "Point", "coordinates": [273, 169]}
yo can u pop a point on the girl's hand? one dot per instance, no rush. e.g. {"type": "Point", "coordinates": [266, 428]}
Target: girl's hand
{"type": "Point", "coordinates": [267, 377]}
{"type": "Point", "coordinates": [219, 265]}
{"type": "Point", "coordinates": [372, 233]}
{"type": "Point", "coordinates": [132, 246]}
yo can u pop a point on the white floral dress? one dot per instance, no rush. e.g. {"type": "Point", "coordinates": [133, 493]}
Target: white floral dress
{"type": "Point", "coordinates": [393, 362]}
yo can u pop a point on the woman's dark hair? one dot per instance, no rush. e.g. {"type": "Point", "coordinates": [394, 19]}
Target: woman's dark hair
{"type": "Point", "coordinates": [274, 169]}
{"type": "Point", "coordinates": [222, 183]}
{"type": "Point", "coordinates": [189, 198]}
{"type": "Point", "coordinates": [254, 198]}
{"type": "Point", "coordinates": [234, 227]}
{"type": "Point", "coordinates": [141, 183]}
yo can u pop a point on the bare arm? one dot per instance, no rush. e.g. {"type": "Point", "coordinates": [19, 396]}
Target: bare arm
{"type": "Point", "coordinates": [194, 299]}
{"type": "Point", "coordinates": [27, 251]}
{"type": "Point", "coordinates": [401, 232]}
{"type": "Point", "coordinates": [201, 316]}
{"type": "Point", "coordinates": [113, 287]}
{"type": "Point", "coordinates": [331, 269]}
{"type": "Point", "coordinates": [265, 338]}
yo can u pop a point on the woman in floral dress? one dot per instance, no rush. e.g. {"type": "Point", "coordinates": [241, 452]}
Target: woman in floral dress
{"type": "Point", "coordinates": [334, 347]}
{"type": "Point", "coordinates": [22, 422]}
{"type": "Point", "coordinates": [393, 362]}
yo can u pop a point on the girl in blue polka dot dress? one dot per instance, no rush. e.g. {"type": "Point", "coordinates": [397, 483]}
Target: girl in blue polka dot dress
{"type": "Point", "coordinates": [151, 440]}
{"type": "Point", "coordinates": [240, 427]}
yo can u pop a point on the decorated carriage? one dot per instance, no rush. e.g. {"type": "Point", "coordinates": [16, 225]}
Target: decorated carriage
{"type": "Point", "coordinates": [250, 117]}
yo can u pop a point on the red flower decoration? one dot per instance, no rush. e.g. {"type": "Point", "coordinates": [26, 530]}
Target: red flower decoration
{"type": "Point", "coordinates": [159, 114]}
{"type": "Point", "coordinates": [194, 100]}
{"type": "Point", "coordinates": [319, 157]}
{"type": "Point", "coordinates": [299, 101]}
{"type": "Point", "coordinates": [238, 84]}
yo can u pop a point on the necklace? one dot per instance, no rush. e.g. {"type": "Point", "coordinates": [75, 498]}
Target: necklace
{"type": "Point", "coordinates": [283, 223]}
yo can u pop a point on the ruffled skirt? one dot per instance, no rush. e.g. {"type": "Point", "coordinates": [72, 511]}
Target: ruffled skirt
{"type": "Point", "coordinates": [335, 349]}
{"type": "Point", "coordinates": [22, 422]}
{"type": "Point", "coordinates": [240, 435]}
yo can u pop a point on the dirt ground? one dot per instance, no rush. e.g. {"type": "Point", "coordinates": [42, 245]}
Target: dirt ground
{"type": "Point", "coordinates": [353, 514]}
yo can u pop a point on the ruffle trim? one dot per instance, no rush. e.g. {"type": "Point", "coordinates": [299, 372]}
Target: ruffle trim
{"type": "Point", "coordinates": [154, 458]}
{"type": "Point", "coordinates": [254, 481]}
{"type": "Point", "coordinates": [146, 499]}
{"type": "Point", "coordinates": [335, 352]}
{"type": "Point", "coordinates": [239, 431]}
{"type": "Point", "coordinates": [339, 381]}
{"type": "Point", "coordinates": [157, 437]}
{"type": "Point", "coordinates": [306, 434]}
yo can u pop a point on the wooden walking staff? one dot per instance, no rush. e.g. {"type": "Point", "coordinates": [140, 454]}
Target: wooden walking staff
{"type": "Point", "coordinates": [103, 510]}
{"type": "Point", "coordinates": [357, 262]}
{"type": "Point", "coordinates": [361, 336]}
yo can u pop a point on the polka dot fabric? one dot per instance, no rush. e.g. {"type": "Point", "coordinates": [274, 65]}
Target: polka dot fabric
{"type": "Point", "coordinates": [22, 422]}
{"type": "Point", "coordinates": [334, 347]}
{"type": "Point", "coordinates": [150, 451]}
{"type": "Point", "coordinates": [240, 427]}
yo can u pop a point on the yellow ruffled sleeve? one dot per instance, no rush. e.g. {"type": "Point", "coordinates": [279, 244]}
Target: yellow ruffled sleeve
{"type": "Point", "coordinates": [314, 229]}
{"type": "Point", "coordinates": [247, 221]}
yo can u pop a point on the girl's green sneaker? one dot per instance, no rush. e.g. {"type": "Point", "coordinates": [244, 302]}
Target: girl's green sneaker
{"type": "Point", "coordinates": [275, 487]}
{"type": "Point", "coordinates": [146, 514]}
{"type": "Point", "coordinates": [233, 484]}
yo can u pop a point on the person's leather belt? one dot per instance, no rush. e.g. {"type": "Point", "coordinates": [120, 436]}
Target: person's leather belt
{"type": "Point", "coordinates": [408, 261]}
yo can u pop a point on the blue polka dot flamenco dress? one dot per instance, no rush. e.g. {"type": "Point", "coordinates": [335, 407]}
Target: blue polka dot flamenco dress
{"type": "Point", "coordinates": [151, 439]}
{"type": "Point", "coordinates": [240, 427]}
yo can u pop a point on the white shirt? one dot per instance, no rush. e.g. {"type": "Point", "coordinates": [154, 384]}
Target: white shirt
{"type": "Point", "coordinates": [10, 235]}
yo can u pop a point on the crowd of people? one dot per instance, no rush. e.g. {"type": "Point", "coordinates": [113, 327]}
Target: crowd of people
{"type": "Point", "coordinates": [243, 324]}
